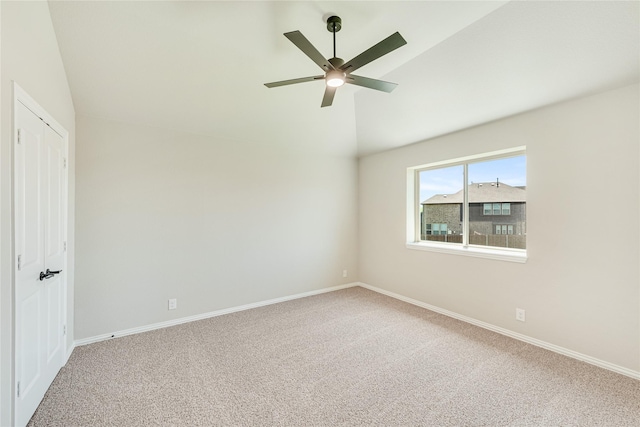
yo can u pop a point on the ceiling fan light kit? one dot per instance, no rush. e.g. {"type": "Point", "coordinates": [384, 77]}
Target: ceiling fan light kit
{"type": "Point", "coordinates": [336, 71]}
{"type": "Point", "coordinates": [335, 78]}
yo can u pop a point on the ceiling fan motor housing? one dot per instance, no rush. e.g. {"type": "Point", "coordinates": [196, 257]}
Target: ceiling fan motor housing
{"type": "Point", "coordinates": [336, 62]}
{"type": "Point", "coordinates": [334, 23]}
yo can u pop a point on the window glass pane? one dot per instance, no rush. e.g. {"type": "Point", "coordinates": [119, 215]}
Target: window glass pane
{"type": "Point", "coordinates": [441, 196]}
{"type": "Point", "coordinates": [498, 186]}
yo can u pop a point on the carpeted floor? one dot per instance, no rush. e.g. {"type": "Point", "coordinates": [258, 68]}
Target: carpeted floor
{"type": "Point", "coordinates": [351, 357]}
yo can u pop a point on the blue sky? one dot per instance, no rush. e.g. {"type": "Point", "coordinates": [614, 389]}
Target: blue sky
{"type": "Point", "coordinates": [511, 171]}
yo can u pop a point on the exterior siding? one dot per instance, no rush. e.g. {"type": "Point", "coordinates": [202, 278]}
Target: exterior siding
{"type": "Point", "coordinates": [485, 224]}
{"type": "Point", "coordinates": [451, 214]}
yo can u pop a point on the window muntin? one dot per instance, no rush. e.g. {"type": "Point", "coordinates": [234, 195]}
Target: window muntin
{"type": "Point", "coordinates": [470, 220]}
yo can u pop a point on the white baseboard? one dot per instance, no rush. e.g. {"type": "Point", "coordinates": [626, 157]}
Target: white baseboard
{"type": "Point", "coordinates": [68, 355]}
{"type": "Point", "coordinates": [539, 343]}
{"type": "Point", "coordinates": [202, 316]}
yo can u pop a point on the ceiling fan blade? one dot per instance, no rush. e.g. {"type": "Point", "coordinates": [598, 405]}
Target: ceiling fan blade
{"type": "Point", "coordinates": [387, 45]}
{"type": "Point", "coordinates": [294, 81]}
{"type": "Point", "coordinates": [305, 46]}
{"type": "Point", "coordinates": [371, 83]}
{"type": "Point", "coordinates": [327, 99]}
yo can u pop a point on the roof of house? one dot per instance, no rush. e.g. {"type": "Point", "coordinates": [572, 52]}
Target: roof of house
{"type": "Point", "coordinates": [483, 192]}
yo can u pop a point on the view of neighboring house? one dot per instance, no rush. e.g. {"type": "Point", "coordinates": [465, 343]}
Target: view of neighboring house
{"type": "Point", "coordinates": [496, 211]}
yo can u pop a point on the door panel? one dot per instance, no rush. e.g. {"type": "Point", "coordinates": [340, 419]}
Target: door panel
{"type": "Point", "coordinates": [30, 249]}
{"type": "Point", "coordinates": [53, 208]}
{"type": "Point", "coordinates": [54, 244]}
{"type": "Point", "coordinates": [30, 321]}
{"type": "Point", "coordinates": [39, 199]}
{"type": "Point", "coordinates": [54, 320]}
{"type": "Point", "coordinates": [28, 209]}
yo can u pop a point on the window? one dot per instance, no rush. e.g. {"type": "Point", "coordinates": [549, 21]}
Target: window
{"type": "Point", "coordinates": [454, 204]}
{"type": "Point", "coordinates": [496, 208]}
{"type": "Point", "coordinates": [504, 229]}
{"type": "Point", "coordinates": [436, 229]}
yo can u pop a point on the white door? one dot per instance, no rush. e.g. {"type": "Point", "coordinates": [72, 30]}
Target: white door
{"type": "Point", "coordinates": [39, 247]}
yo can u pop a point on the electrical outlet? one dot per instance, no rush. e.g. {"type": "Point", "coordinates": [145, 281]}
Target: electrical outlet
{"type": "Point", "coordinates": [344, 273]}
{"type": "Point", "coordinates": [520, 314]}
{"type": "Point", "coordinates": [173, 304]}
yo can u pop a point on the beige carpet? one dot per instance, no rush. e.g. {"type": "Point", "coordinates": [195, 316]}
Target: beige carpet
{"type": "Point", "coordinates": [351, 357]}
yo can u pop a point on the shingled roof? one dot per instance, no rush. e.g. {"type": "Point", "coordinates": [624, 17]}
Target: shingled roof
{"type": "Point", "coordinates": [482, 192]}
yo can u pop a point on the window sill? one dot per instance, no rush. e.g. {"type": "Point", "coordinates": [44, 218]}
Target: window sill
{"type": "Point", "coordinates": [511, 255]}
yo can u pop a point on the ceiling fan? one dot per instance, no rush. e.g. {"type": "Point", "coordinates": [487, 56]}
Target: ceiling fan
{"type": "Point", "coordinates": [336, 71]}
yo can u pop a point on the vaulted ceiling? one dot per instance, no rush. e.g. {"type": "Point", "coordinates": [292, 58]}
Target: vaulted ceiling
{"type": "Point", "coordinates": [200, 66]}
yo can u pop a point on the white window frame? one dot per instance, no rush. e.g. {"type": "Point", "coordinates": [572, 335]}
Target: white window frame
{"type": "Point", "coordinates": [413, 212]}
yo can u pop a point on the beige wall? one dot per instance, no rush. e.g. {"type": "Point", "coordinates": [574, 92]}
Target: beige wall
{"type": "Point", "coordinates": [580, 285]}
{"type": "Point", "coordinates": [216, 224]}
{"type": "Point", "coordinates": [30, 56]}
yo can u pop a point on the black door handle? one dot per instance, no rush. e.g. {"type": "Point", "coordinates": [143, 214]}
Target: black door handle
{"type": "Point", "coordinates": [48, 274]}
{"type": "Point", "coordinates": [45, 275]}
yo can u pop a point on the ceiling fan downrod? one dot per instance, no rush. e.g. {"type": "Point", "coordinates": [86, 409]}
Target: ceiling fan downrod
{"type": "Point", "coordinates": [334, 24]}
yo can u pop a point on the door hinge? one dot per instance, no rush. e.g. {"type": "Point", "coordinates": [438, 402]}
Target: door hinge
{"type": "Point", "coordinates": [65, 246]}
{"type": "Point", "coordinates": [19, 136]}
{"type": "Point", "coordinates": [64, 163]}
{"type": "Point", "coordinates": [64, 329]}
{"type": "Point", "coordinates": [19, 262]}
{"type": "Point", "coordinates": [18, 389]}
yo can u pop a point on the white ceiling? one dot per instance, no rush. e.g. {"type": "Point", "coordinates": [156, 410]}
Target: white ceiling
{"type": "Point", "coordinates": [521, 57]}
{"type": "Point", "coordinates": [200, 66]}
